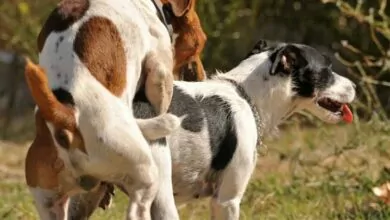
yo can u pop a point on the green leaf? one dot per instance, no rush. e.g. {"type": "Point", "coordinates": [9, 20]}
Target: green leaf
{"type": "Point", "coordinates": [24, 8]}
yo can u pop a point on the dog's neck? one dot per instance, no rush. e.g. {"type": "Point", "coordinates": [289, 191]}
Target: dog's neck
{"type": "Point", "coordinates": [271, 95]}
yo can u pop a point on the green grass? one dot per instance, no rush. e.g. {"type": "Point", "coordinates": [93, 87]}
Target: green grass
{"type": "Point", "coordinates": [311, 173]}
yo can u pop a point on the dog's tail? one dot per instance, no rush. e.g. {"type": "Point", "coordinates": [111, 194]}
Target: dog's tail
{"type": "Point", "coordinates": [51, 109]}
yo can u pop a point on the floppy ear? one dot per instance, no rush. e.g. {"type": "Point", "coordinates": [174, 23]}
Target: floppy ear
{"type": "Point", "coordinates": [287, 59]}
{"type": "Point", "coordinates": [180, 7]}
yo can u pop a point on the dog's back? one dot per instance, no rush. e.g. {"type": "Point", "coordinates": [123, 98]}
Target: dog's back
{"type": "Point", "coordinates": [105, 37]}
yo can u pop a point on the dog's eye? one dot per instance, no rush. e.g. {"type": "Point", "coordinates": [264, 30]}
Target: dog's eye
{"type": "Point", "coordinates": [62, 138]}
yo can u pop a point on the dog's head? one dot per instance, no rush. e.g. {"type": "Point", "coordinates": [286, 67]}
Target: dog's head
{"type": "Point", "coordinates": [189, 39]}
{"type": "Point", "coordinates": [307, 79]}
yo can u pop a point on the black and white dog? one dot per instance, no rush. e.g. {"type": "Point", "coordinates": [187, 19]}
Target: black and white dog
{"type": "Point", "coordinates": [213, 153]}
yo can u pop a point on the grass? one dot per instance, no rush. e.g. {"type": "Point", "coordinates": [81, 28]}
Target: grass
{"type": "Point", "coordinates": [311, 173]}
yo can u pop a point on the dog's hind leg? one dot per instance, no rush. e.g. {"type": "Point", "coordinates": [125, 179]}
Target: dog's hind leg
{"type": "Point", "coordinates": [159, 81]}
{"type": "Point", "coordinates": [50, 205]}
{"type": "Point", "coordinates": [225, 203]}
{"type": "Point", "coordinates": [163, 207]}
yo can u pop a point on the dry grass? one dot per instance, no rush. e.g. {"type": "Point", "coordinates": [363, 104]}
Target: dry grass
{"type": "Point", "coordinates": [322, 173]}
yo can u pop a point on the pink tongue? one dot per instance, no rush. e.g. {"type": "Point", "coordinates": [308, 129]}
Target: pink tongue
{"type": "Point", "coordinates": [347, 114]}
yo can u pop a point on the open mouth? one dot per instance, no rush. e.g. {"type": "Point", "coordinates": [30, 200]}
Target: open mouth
{"type": "Point", "coordinates": [337, 108]}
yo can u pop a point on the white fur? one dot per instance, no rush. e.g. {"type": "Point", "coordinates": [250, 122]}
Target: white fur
{"type": "Point", "coordinates": [42, 198]}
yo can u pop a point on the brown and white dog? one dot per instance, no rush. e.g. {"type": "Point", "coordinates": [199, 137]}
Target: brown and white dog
{"type": "Point", "coordinates": [95, 55]}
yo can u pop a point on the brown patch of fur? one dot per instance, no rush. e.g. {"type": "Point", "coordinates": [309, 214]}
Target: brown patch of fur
{"type": "Point", "coordinates": [99, 46]}
{"type": "Point", "coordinates": [64, 15]}
{"type": "Point", "coordinates": [42, 163]}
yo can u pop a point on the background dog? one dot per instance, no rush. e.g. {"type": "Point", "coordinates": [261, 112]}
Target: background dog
{"type": "Point", "coordinates": [92, 53]}
{"type": "Point", "coordinates": [214, 151]}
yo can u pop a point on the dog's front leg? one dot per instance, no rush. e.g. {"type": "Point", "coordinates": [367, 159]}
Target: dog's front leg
{"type": "Point", "coordinates": [50, 204]}
{"type": "Point", "coordinates": [159, 82]}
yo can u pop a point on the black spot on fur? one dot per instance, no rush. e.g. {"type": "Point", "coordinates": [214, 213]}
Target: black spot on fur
{"type": "Point", "coordinates": [64, 15]}
{"type": "Point", "coordinates": [222, 130]}
{"type": "Point", "coordinates": [184, 105]}
{"type": "Point", "coordinates": [58, 75]}
{"type": "Point", "coordinates": [58, 42]}
{"type": "Point", "coordinates": [64, 96]}
{"type": "Point", "coordinates": [310, 70]}
{"type": "Point", "coordinates": [308, 81]}
{"type": "Point", "coordinates": [216, 111]}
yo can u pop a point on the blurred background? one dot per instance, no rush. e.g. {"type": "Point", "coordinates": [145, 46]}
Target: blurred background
{"type": "Point", "coordinates": [355, 33]}
{"type": "Point", "coordinates": [310, 165]}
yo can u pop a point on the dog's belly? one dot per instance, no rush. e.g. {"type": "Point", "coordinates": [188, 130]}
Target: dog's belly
{"type": "Point", "coordinates": [191, 161]}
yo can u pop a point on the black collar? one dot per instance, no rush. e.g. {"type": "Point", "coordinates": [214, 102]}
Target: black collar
{"type": "Point", "coordinates": [259, 126]}
{"type": "Point", "coordinates": [165, 16]}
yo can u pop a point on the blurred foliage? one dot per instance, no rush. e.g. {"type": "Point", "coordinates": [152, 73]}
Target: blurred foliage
{"type": "Point", "coordinates": [369, 62]}
{"type": "Point", "coordinates": [20, 24]}
{"type": "Point", "coordinates": [357, 30]}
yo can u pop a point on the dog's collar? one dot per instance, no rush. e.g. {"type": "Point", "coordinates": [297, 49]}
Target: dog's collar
{"type": "Point", "coordinates": [165, 16]}
{"type": "Point", "coordinates": [259, 126]}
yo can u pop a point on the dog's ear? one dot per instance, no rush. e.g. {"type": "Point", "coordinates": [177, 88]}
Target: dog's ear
{"type": "Point", "coordinates": [263, 45]}
{"type": "Point", "coordinates": [286, 59]}
{"type": "Point", "coordinates": [180, 7]}
{"type": "Point", "coordinates": [259, 47]}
